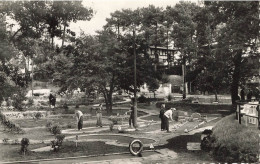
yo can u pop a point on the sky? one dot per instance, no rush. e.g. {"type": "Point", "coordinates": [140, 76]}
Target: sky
{"type": "Point", "coordinates": [103, 8]}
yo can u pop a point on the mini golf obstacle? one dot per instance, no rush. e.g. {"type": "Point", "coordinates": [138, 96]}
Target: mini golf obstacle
{"type": "Point", "coordinates": [136, 147]}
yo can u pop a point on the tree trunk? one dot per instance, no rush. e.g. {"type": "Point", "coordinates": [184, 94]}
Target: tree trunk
{"type": "Point", "coordinates": [236, 76]}
{"type": "Point", "coordinates": [184, 78]}
{"type": "Point", "coordinates": [110, 104]}
{"type": "Point", "coordinates": [52, 42]}
{"type": "Point", "coordinates": [216, 95]}
{"type": "Point", "coordinates": [63, 36]}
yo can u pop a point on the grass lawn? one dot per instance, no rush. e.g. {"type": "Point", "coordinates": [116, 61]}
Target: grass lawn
{"type": "Point", "coordinates": [68, 149]}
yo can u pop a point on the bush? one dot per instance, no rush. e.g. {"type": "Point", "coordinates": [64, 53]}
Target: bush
{"type": "Point", "coordinates": [65, 107]}
{"type": "Point", "coordinates": [5, 140]}
{"type": "Point", "coordinates": [169, 97]}
{"type": "Point", "coordinates": [38, 115]}
{"type": "Point", "coordinates": [233, 142]}
{"type": "Point", "coordinates": [24, 145]}
{"type": "Point", "coordinates": [9, 124]}
{"type": "Point", "coordinates": [69, 126]}
{"type": "Point", "coordinates": [30, 102]}
{"type": "Point", "coordinates": [142, 99]}
{"type": "Point", "coordinates": [57, 143]}
{"type": "Point", "coordinates": [18, 99]}
{"type": "Point", "coordinates": [116, 119]}
{"type": "Point", "coordinates": [55, 129]}
{"type": "Point", "coordinates": [49, 125]}
{"type": "Point", "coordinates": [111, 126]}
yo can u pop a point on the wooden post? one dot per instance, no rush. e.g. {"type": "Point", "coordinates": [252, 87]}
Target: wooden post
{"type": "Point", "coordinates": [77, 137]}
{"type": "Point", "coordinates": [239, 114]}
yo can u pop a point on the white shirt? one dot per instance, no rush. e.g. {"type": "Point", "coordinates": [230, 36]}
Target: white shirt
{"type": "Point", "coordinates": [78, 115]}
{"type": "Point", "coordinates": [168, 114]}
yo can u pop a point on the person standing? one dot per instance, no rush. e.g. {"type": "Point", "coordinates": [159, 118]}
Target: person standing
{"type": "Point", "coordinates": [99, 115]}
{"type": "Point", "coordinates": [79, 118]}
{"type": "Point", "coordinates": [249, 95]}
{"type": "Point", "coordinates": [52, 100]}
{"type": "Point", "coordinates": [162, 111]}
{"type": "Point", "coordinates": [257, 94]}
{"type": "Point", "coordinates": [168, 116]}
{"type": "Point", "coordinates": [242, 94]}
{"type": "Point", "coordinates": [131, 118]}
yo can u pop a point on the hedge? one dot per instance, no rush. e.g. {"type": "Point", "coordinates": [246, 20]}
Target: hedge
{"type": "Point", "coordinates": [233, 142]}
{"type": "Point", "coordinates": [200, 108]}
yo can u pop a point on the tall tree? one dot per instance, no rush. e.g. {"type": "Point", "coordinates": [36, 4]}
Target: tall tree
{"type": "Point", "coordinates": [239, 29]}
{"type": "Point", "coordinates": [184, 32]}
{"type": "Point", "coordinates": [64, 12]}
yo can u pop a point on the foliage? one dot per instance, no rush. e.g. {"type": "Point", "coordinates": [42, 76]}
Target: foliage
{"type": "Point", "coordinates": [116, 119]}
{"type": "Point", "coordinates": [10, 125]}
{"type": "Point", "coordinates": [233, 142]}
{"type": "Point", "coordinates": [49, 125]}
{"type": "Point", "coordinates": [142, 99]}
{"type": "Point", "coordinates": [169, 97]}
{"type": "Point", "coordinates": [5, 140]}
{"type": "Point", "coordinates": [30, 102]}
{"type": "Point", "coordinates": [24, 145]}
{"type": "Point", "coordinates": [238, 28]}
{"type": "Point", "coordinates": [38, 115]}
{"type": "Point", "coordinates": [55, 129]}
{"type": "Point", "coordinates": [111, 126]}
{"type": "Point", "coordinates": [206, 142]}
{"type": "Point", "coordinates": [153, 85]}
{"type": "Point", "coordinates": [57, 143]}
{"type": "Point", "coordinates": [18, 98]}
{"type": "Point", "coordinates": [69, 126]}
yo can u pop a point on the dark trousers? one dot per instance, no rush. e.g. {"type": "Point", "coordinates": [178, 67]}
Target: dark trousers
{"type": "Point", "coordinates": [131, 120]}
{"type": "Point", "coordinates": [80, 123]}
{"type": "Point", "coordinates": [166, 121]}
{"type": "Point", "coordinates": [162, 124]}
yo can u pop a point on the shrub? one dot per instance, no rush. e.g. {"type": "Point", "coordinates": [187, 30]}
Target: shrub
{"type": "Point", "coordinates": [16, 142]}
{"type": "Point", "coordinates": [8, 124]}
{"type": "Point", "coordinates": [142, 99]}
{"type": "Point", "coordinates": [24, 145]}
{"type": "Point", "coordinates": [5, 140]}
{"type": "Point", "coordinates": [60, 137]}
{"type": "Point", "coordinates": [49, 125]}
{"type": "Point", "coordinates": [57, 143]}
{"type": "Point", "coordinates": [169, 97]}
{"type": "Point", "coordinates": [38, 115]}
{"type": "Point", "coordinates": [69, 126]}
{"type": "Point", "coordinates": [233, 142]}
{"type": "Point", "coordinates": [55, 129]}
{"type": "Point", "coordinates": [65, 107]}
{"type": "Point", "coordinates": [30, 102]}
{"type": "Point", "coordinates": [18, 99]}
{"type": "Point", "coordinates": [111, 126]}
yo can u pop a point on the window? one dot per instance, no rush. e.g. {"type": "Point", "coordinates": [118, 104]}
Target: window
{"type": "Point", "coordinates": [252, 120]}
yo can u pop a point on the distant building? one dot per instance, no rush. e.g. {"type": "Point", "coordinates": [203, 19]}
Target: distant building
{"type": "Point", "coordinates": [165, 56]}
